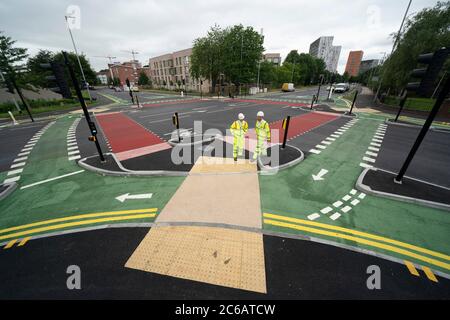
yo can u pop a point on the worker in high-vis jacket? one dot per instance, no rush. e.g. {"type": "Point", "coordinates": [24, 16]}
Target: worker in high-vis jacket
{"type": "Point", "coordinates": [238, 129]}
{"type": "Point", "coordinates": [262, 130]}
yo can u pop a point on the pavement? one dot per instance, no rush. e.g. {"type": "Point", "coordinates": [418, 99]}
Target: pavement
{"type": "Point", "coordinates": [315, 200]}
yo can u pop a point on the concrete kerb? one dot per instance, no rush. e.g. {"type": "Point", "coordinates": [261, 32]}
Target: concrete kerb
{"type": "Point", "coordinates": [367, 189]}
{"type": "Point", "coordinates": [411, 125]}
{"type": "Point", "coordinates": [126, 172]}
{"type": "Point", "coordinates": [10, 187]}
{"type": "Point", "coordinates": [267, 170]}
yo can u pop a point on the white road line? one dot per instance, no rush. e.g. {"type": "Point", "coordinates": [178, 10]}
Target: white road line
{"type": "Point", "coordinates": [355, 202]}
{"type": "Point", "coordinates": [374, 149]}
{"type": "Point", "coordinates": [369, 159]}
{"type": "Point", "coordinates": [26, 149]}
{"type": "Point", "coordinates": [13, 172]}
{"type": "Point", "coordinates": [13, 179]}
{"type": "Point", "coordinates": [365, 165]}
{"type": "Point", "coordinates": [362, 195]}
{"type": "Point", "coordinates": [16, 165]}
{"type": "Point", "coordinates": [71, 144]}
{"type": "Point", "coordinates": [71, 140]}
{"type": "Point", "coordinates": [346, 209]}
{"type": "Point", "coordinates": [70, 153]}
{"type": "Point", "coordinates": [326, 210]}
{"type": "Point", "coordinates": [339, 133]}
{"type": "Point", "coordinates": [330, 139]}
{"type": "Point", "coordinates": [375, 144]}
{"type": "Point", "coordinates": [72, 148]}
{"type": "Point", "coordinates": [334, 135]}
{"type": "Point", "coordinates": [326, 142]}
{"type": "Point", "coordinates": [51, 179]}
{"type": "Point", "coordinates": [20, 159]}
{"type": "Point", "coordinates": [24, 153]}
{"type": "Point", "coordinates": [337, 204]}
{"type": "Point", "coordinates": [377, 140]}
{"type": "Point", "coordinates": [346, 198]}
{"type": "Point", "coordinates": [334, 216]}
{"type": "Point", "coordinates": [321, 146]}
{"type": "Point", "coordinates": [372, 154]}
{"type": "Point", "coordinates": [74, 157]}
{"type": "Point", "coordinates": [353, 192]}
{"type": "Point", "coordinates": [314, 151]}
{"type": "Point", "coordinates": [313, 216]}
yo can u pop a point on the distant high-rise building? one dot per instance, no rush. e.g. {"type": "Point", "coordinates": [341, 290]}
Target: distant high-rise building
{"type": "Point", "coordinates": [368, 64]}
{"type": "Point", "coordinates": [275, 58]}
{"type": "Point", "coordinates": [323, 48]}
{"type": "Point", "coordinates": [354, 62]}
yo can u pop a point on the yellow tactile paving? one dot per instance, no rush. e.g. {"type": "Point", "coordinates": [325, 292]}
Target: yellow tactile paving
{"type": "Point", "coordinates": [216, 198]}
{"type": "Point", "coordinates": [225, 257]}
{"type": "Point", "coordinates": [222, 165]}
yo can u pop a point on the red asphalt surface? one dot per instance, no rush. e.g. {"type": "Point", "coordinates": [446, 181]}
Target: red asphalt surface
{"type": "Point", "coordinates": [125, 134]}
{"type": "Point", "coordinates": [297, 125]}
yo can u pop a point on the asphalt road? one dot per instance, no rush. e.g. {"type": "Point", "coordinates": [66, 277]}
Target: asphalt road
{"type": "Point", "coordinates": [13, 139]}
{"type": "Point", "coordinates": [295, 269]}
{"type": "Point", "coordinates": [431, 162]}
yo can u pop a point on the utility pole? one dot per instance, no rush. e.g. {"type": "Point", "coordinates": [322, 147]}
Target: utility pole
{"type": "Point", "coordinates": [78, 58]}
{"type": "Point", "coordinates": [394, 45]}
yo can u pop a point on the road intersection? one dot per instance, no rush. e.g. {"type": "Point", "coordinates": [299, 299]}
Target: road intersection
{"type": "Point", "coordinates": [315, 200]}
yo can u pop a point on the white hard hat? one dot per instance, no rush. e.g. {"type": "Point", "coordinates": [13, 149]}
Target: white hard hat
{"type": "Point", "coordinates": [241, 116]}
{"type": "Point", "coordinates": [260, 114]}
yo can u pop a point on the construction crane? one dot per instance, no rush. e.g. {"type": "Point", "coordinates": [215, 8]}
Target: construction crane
{"type": "Point", "coordinates": [132, 52]}
{"type": "Point", "coordinates": [110, 62]}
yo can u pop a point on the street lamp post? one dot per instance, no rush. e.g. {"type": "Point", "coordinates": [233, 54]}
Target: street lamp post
{"type": "Point", "coordinates": [78, 58]}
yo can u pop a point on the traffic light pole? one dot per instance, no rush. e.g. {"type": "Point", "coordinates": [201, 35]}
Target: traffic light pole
{"type": "Point", "coordinates": [286, 128]}
{"type": "Point", "coordinates": [353, 103]}
{"type": "Point", "coordinates": [440, 99]}
{"type": "Point", "coordinates": [401, 105]}
{"type": "Point", "coordinates": [91, 124]}
{"type": "Point", "coordinates": [19, 92]}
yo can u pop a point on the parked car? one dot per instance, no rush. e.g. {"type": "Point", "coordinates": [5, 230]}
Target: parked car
{"type": "Point", "coordinates": [340, 88]}
{"type": "Point", "coordinates": [287, 87]}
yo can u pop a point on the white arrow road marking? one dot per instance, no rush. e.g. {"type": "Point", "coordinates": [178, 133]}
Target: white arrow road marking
{"type": "Point", "coordinates": [127, 196]}
{"type": "Point", "coordinates": [320, 175]}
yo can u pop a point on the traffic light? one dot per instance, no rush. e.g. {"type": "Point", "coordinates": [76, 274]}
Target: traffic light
{"type": "Point", "coordinates": [429, 73]}
{"type": "Point", "coordinates": [59, 78]}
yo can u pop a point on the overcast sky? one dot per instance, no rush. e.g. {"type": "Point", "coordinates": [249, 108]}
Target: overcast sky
{"type": "Point", "coordinates": [109, 27]}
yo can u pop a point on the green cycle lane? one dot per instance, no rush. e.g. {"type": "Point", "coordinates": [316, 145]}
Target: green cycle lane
{"type": "Point", "coordinates": [293, 193]}
{"type": "Point", "coordinates": [81, 193]}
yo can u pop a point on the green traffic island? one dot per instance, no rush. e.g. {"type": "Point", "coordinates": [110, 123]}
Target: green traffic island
{"type": "Point", "coordinates": [6, 189]}
{"type": "Point", "coordinates": [382, 183]}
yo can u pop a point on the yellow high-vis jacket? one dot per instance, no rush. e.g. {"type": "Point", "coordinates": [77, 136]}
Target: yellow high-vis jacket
{"type": "Point", "coordinates": [262, 129]}
{"type": "Point", "coordinates": [239, 128]}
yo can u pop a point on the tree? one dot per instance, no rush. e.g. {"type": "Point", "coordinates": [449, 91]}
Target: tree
{"type": "Point", "coordinates": [143, 79]}
{"type": "Point", "coordinates": [220, 52]}
{"type": "Point", "coordinates": [306, 68]}
{"type": "Point", "coordinates": [425, 32]}
{"type": "Point", "coordinates": [36, 75]}
{"type": "Point", "coordinates": [89, 73]}
{"type": "Point", "coordinates": [10, 60]}
{"type": "Point", "coordinates": [268, 73]}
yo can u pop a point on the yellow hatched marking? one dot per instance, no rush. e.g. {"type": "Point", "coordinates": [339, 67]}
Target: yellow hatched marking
{"type": "Point", "coordinates": [10, 244]}
{"type": "Point", "coordinates": [24, 241]}
{"type": "Point", "coordinates": [359, 233]}
{"type": "Point", "coordinates": [412, 269]}
{"type": "Point", "coordinates": [430, 275]}
{"type": "Point", "coordinates": [360, 240]}
{"type": "Point", "coordinates": [81, 216]}
{"type": "Point", "coordinates": [75, 224]}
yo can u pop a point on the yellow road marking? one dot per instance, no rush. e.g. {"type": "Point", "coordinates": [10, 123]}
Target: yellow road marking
{"type": "Point", "coordinates": [412, 269]}
{"type": "Point", "coordinates": [359, 233]}
{"type": "Point", "coordinates": [429, 273]}
{"type": "Point", "coordinates": [24, 241]}
{"type": "Point", "coordinates": [10, 244]}
{"type": "Point", "coordinates": [82, 216]}
{"type": "Point", "coordinates": [76, 223]}
{"type": "Point", "coordinates": [360, 240]}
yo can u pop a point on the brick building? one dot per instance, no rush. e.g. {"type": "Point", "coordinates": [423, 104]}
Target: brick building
{"type": "Point", "coordinates": [130, 70]}
{"type": "Point", "coordinates": [354, 62]}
